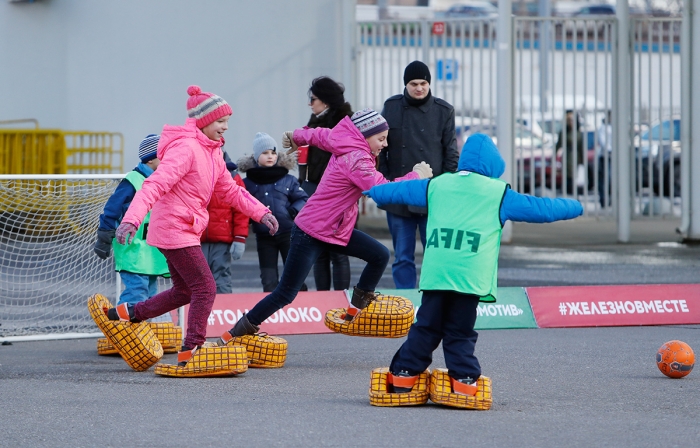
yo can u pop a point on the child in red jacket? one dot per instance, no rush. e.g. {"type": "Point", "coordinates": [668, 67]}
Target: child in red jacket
{"type": "Point", "coordinates": [224, 239]}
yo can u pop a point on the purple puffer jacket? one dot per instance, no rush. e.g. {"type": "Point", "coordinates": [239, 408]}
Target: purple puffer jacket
{"type": "Point", "coordinates": [191, 170]}
{"type": "Point", "coordinates": [330, 213]}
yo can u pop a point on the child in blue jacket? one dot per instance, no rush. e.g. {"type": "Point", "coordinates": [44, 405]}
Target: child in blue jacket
{"type": "Point", "coordinates": [466, 214]}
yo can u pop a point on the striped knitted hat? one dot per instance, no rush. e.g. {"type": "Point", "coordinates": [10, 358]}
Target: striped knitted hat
{"type": "Point", "coordinates": [206, 107]}
{"type": "Point", "coordinates": [369, 122]}
{"type": "Point", "coordinates": [148, 148]}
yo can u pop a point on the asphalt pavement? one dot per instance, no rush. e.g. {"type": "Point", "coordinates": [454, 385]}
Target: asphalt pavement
{"type": "Point", "coordinates": [552, 387]}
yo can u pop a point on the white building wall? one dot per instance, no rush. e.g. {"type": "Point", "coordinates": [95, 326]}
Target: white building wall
{"type": "Point", "coordinates": [124, 66]}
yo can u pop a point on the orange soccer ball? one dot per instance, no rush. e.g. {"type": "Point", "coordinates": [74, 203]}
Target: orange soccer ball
{"type": "Point", "coordinates": [675, 359]}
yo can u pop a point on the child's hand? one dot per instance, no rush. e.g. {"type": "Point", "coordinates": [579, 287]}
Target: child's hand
{"type": "Point", "coordinates": [423, 170]}
{"type": "Point", "coordinates": [125, 233]}
{"type": "Point", "coordinates": [237, 250]}
{"type": "Point", "coordinates": [270, 221]}
{"type": "Point", "coordinates": [103, 245]}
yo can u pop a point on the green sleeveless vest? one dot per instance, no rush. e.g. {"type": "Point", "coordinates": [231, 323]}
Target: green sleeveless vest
{"type": "Point", "coordinates": [138, 257]}
{"type": "Point", "coordinates": [463, 234]}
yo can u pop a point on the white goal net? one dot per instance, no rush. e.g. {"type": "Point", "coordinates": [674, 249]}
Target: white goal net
{"type": "Point", "coordinates": [48, 268]}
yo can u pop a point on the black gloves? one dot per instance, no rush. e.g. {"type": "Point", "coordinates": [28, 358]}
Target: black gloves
{"type": "Point", "coordinates": [103, 245]}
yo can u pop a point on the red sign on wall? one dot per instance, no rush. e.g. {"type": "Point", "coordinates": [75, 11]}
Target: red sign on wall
{"type": "Point", "coordinates": [593, 306]}
{"type": "Point", "coordinates": [304, 315]}
{"type": "Point", "coordinates": [438, 28]}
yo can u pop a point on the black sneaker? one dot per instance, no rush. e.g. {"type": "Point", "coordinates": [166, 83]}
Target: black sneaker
{"type": "Point", "coordinates": [184, 355]}
{"type": "Point", "coordinates": [123, 312]}
{"type": "Point", "coordinates": [401, 383]}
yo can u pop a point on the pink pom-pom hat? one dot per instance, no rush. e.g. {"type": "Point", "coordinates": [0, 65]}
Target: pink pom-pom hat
{"type": "Point", "coordinates": [206, 107]}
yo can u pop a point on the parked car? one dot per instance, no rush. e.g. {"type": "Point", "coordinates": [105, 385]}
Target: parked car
{"type": "Point", "coordinates": [479, 9]}
{"type": "Point", "coordinates": [532, 151]}
{"type": "Point", "coordinates": [467, 125]}
{"type": "Point", "coordinates": [536, 163]}
{"type": "Point", "coordinates": [658, 155]}
{"type": "Point", "coordinates": [595, 10]}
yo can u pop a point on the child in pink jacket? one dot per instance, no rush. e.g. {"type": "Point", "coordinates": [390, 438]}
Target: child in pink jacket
{"type": "Point", "coordinates": [191, 171]}
{"type": "Point", "coordinates": [327, 220]}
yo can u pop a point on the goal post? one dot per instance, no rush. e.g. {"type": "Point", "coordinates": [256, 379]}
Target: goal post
{"type": "Point", "coordinates": [48, 269]}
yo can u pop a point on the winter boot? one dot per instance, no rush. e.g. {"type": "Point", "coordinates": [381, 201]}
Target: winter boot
{"type": "Point", "coordinates": [359, 301]}
{"type": "Point", "coordinates": [242, 327]}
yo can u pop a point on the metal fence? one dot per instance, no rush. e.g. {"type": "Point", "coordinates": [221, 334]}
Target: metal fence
{"type": "Point", "coordinates": [656, 109]}
{"type": "Point", "coordinates": [563, 89]}
{"type": "Point", "coordinates": [559, 65]}
{"type": "Point", "coordinates": [55, 151]}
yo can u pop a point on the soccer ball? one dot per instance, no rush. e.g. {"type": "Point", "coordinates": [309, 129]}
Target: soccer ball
{"type": "Point", "coordinates": [675, 359]}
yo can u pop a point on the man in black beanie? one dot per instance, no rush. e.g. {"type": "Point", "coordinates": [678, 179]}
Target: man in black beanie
{"type": "Point", "coordinates": [421, 128]}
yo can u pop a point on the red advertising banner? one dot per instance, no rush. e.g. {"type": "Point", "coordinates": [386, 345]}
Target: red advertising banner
{"type": "Point", "coordinates": [304, 315]}
{"type": "Point", "coordinates": [618, 305]}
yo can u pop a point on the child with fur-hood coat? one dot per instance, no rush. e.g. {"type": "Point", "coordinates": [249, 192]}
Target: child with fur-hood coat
{"type": "Point", "coordinates": [269, 181]}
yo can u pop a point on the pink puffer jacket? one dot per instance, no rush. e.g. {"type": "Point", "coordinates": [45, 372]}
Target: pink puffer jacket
{"type": "Point", "coordinates": [191, 170]}
{"type": "Point", "coordinates": [330, 213]}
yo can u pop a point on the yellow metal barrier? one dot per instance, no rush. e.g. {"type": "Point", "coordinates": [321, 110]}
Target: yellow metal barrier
{"type": "Point", "coordinates": [94, 152]}
{"type": "Point", "coordinates": [53, 151]}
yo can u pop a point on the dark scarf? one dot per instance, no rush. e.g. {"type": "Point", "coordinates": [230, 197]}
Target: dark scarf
{"type": "Point", "coordinates": [266, 175]}
{"type": "Point", "coordinates": [331, 118]}
{"type": "Point", "coordinates": [414, 102]}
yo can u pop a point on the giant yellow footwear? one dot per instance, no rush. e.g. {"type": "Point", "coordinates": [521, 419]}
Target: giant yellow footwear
{"type": "Point", "coordinates": [207, 360]}
{"type": "Point", "coordinates": [381, 389]}
{"type": "Point", "coordinates": [169, 335]}
{"type": "Point", "coordinates": [264, 351]}
{"type": "Point", "coordinates": [384, 317]}
{"type": "Point", "coordinates": [135, 342]}
{"type": "Point", "coordinates": [445, 390]}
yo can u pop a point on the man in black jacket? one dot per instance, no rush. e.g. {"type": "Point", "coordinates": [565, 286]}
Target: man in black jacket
{"type": "Point", "coordinates": [421, 128]}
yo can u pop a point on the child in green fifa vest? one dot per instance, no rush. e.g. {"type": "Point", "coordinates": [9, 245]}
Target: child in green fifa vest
{"type": "Point", "coordinates": [466, 214]}
{"type": "Point", "coordinates": [139, 265]}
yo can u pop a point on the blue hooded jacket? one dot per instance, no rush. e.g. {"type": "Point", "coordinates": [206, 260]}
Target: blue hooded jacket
{"type": "Point", "coordinates": [480, 155]}
{"type": "Point", "coordinates": [118, 203]}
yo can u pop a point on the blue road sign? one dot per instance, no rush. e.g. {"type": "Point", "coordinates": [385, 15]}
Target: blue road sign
{"type": "Point", "coordinates": [447, 69]}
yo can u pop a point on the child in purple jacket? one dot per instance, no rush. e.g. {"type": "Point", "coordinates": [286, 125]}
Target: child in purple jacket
{"type": "Point", "coordinates": [327, 220]}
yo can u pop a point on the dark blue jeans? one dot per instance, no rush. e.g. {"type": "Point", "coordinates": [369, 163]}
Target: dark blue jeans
{"type": "Point", "coordinates": [444, 316]}
{"type": "Point", "coordinates": [403, 236]}
{"type": "Point", "coordinates": [339, 274]}
{"type": "Point", "coordinates": [303, 252]}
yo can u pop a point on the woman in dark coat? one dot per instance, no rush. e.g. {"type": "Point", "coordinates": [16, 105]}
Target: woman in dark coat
{"type": "Point", "coordinates": [575, 150]}
{"type": "Point", "coordinates": [328, 107]}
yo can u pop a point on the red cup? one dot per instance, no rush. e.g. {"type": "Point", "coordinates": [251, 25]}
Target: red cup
{"type": "Point", "coordinates": [303, 155]}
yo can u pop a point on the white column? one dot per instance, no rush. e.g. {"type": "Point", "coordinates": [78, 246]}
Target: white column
{"type": "Point", "coordinates": [349, 48]}
{"type": "Point", "coordinates": [623, 95]}
{"type": "Point", "coordinates": [692, 9]}
{"type": "Point", "coordinates": [686, 114]}
{"type": "Point", "coordinates": [504, 96]}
